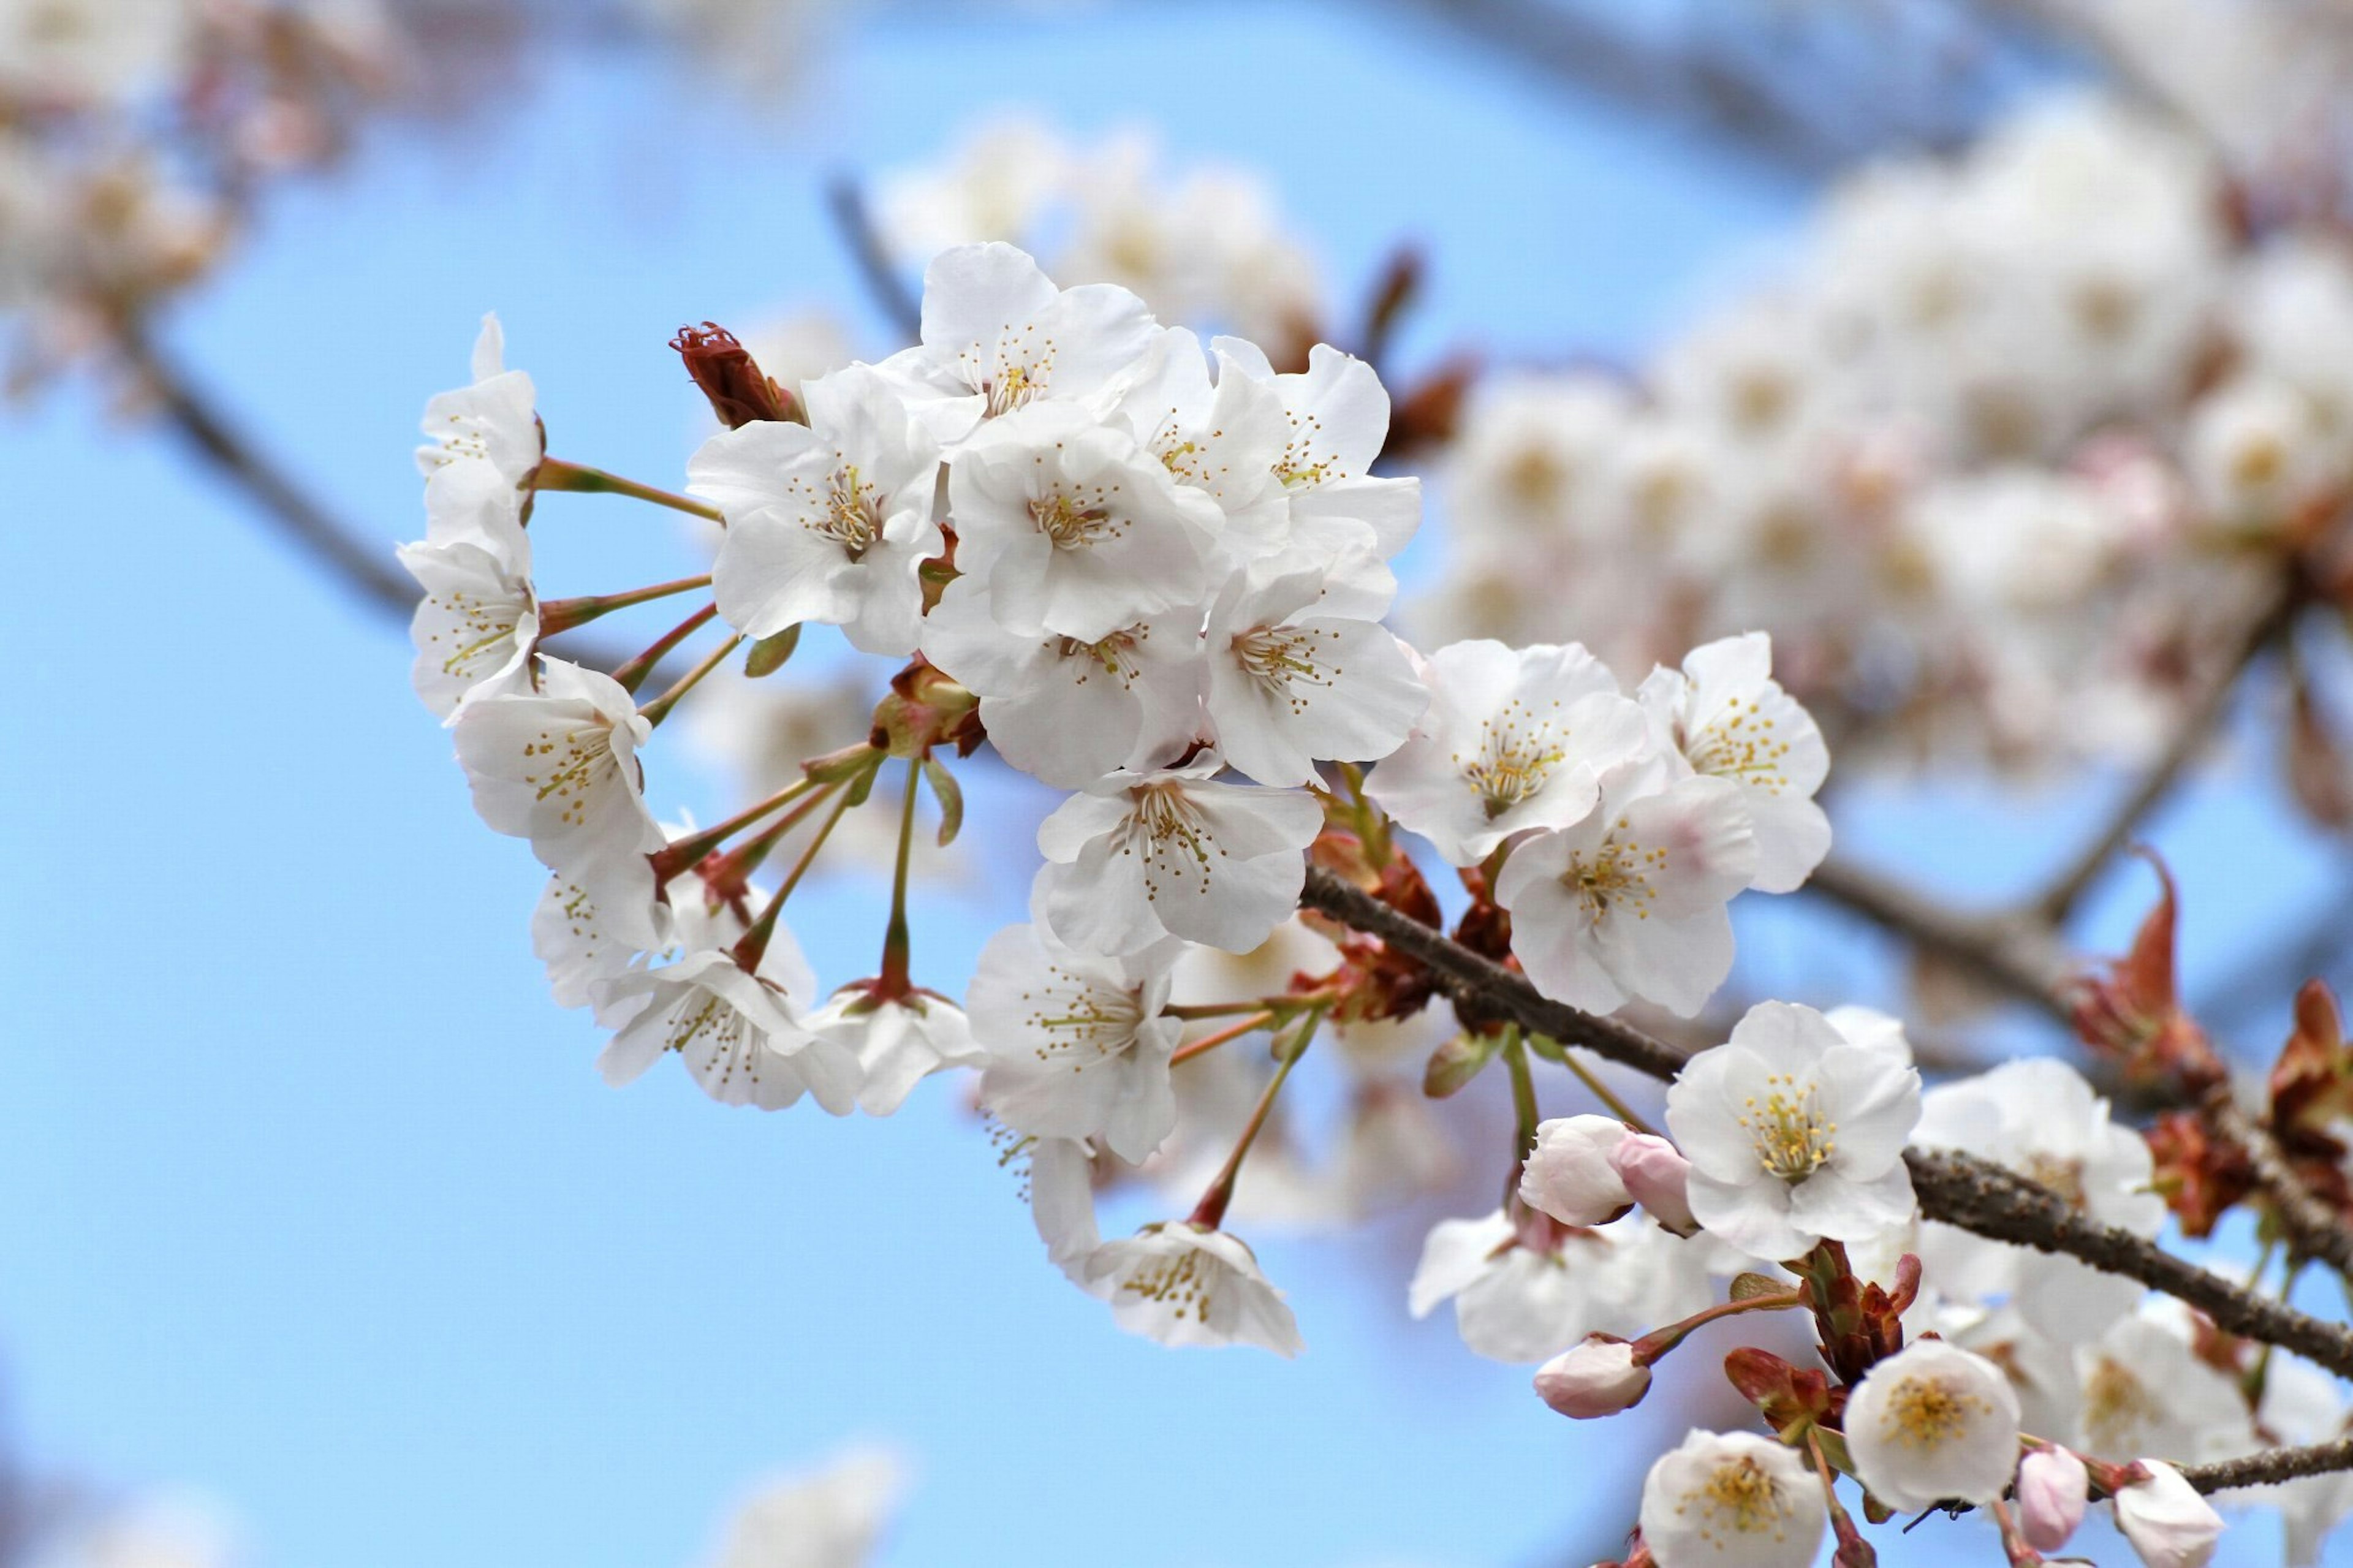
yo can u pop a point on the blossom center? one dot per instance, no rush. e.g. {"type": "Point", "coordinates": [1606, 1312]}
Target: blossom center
{"type": "Point", "coordinates": [1165, 825]}
{"type": "Point", "coordinates": [487, 625]}
{"type": "Point", "coordinates": [1114, 656]}
{"type": "Point", "coordinates": [1738, 1498]}
{"type": "Point", "coordinates": [1615, 874]}
{"type": "Point", "coordinates": [1927, 1413]}
{"type": "Point", "coordinates": [2064, 1177]}
{"type": "Point", "coordinates": [1015, 385]}
{"type": "Point", "coordinates": [1180, 1282]}
{"type": "Point", "coordinates": [849, 515]}
{"type": "Point", "coordinates": [580, 759]}
{"type": "Point", "coordinates": [1279, 659]}
{"type": "Point", "coordinates": [1517, 753]}
{"type": "Point", "coordinates": [2119, 1408]}
{"type": "Point", "coordinates": [1791, 1136]}
{"type": "Point", "coordinates": [1087, 1022]}
{"type": "Point", "coordinates": [1739, 744]}
{"type": "Point", "coordinates": [1074, 523]}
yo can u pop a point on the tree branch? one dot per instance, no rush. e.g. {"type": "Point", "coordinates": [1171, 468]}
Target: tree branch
{"type": "Point", "coordinates": [2272, 1465]}
{"type": "Point", "coordinates": [854, 221]}
{"type": "Point", "coordinates": [2271, 618]}
{"type": "Point", "coordinates": [1957, 1188]}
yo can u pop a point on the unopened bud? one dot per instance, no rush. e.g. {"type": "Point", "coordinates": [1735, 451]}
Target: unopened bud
{"type": "Point", "coordinates": [1655, 1174]}
{"type": "Point", "coordinates": [1568, 1175]}
{"type": "Point", "coordinates": [1599, 1377]}
{"type": "Point", "coordinates": [740, 393]}
{"type": "Point", "coordinates": [2051, 1488]}
{"type": "Point", "coordinates": [2169, 1524]}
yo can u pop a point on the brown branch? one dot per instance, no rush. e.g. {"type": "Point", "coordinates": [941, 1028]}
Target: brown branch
{"type": "Point", "coordinates": [2270, 1466]}
{"type": "Point", "coordinates": [2271, 618]}
{"type": "Point", "coordinates": [1957, 1188]}
{"type": "Point", "coordinates": [2312, 1229]}
{"type": "Point", "coordinates": [2013, 954]}
{"type": "Point", "coordinates": [854, 221]}
{"type": "Point", "coordinates": [362, 567]}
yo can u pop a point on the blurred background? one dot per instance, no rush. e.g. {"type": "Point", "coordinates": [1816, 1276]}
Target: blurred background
{"type": "Point", "coordinates": [1997, 356]}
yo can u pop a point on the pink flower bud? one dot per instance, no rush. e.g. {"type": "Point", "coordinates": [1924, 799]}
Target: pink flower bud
{"type": "Point", "coordinates": [2165, 1519]}
{"type": "Point", "coordinates": [1653, 1171]}
{"type": "Point", "coordinates": [1568, 1175]}
{"type": "Point", "coordinates": [1598, 1377]}
{"type": "Point", "coordinates": [2052, 1486]}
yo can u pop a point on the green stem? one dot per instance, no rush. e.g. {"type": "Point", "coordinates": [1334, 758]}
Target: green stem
{"type": "Point", "coordinates": [896, 945]}
{"type": "Point", "coordinates": [556, 474]}
{"type": "Point", "coordinates": [1211, 1210]}
{"type": "Point", "coordinates": [1195, 1012]}
{"type": "Point", "coordinates": [1524, 1115]}
{"type": "Point", "coordinates": [754, 946]}
{"type": "Point", "coordinates": [557, 616]}
{"type": "Point", "coordinates": [633, 673]}
{"type": "Point", "coordinates": [690, 850]}
{"type": "Point", "coordinates": [1211, 1042]}
{"type": "Point", "coordinates": [1659, 1341]}
{"type": "Point", "coordinates": [1602, 1092]}
{"type": "Point", "coordinates": [658, 709]}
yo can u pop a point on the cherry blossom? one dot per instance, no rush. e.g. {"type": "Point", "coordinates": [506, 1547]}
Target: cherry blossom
{"type": "Point", "coordinates": [1934, 1424]}
{"type": "Point", "coordinates": [1630, 902]}
{"type": "Point", "coordinates": [2169, 1524]}
{"type": "Point", "coordinates": [1139, 857]}
{"type": "Point", "coordinates": [1794, 1134]}
{"type": "Point", "coordinates": [1185, 1284]}
{"type": "Point", "coordinates": [2053, 1488]}
{"type": "Point", "coordinates": [827, 521]}
{"type": "Point", "coordinates": [997, 336]}
{"type": "Point", "coordinates": [1073, 528]}
{"type": "Point", "coordinates": [1077, 1044]}
{"type": "Point", "coordinates": [494, 421]}
{"type": "Point", "coordinates": [1513, 739]}
{"type": "Point", "coordinates": [1572, 1175]}
{"type": "Point", "coordinates": [1597, 1377]}
{"type": "Point", "coordinates": [1723, 715]}
{"type": "Point", "coordinates": [1732, 1501]}
{"type": "Point", "coordinates": [559, 767]}
{"type": "Point", "coordinates": [897, 1042]}
{"type": "Point", "coordinates": [1525, 1292]}
{"type": "Point", "coordinates": [1288, 686]}
{"type": "Point", "coordinates": [745, 1036]}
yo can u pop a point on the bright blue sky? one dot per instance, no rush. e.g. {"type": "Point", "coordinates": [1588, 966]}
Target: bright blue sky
{"type": "Point", "coordinates": [310, 1197]}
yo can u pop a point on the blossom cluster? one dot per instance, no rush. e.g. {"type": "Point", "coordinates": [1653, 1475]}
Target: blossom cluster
{"type": "Point", "coordinates": [2001, 460]}
{"type": "Point", "coordinates": [1150, 576]}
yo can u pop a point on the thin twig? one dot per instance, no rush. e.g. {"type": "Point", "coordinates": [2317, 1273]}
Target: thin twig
{"type": "Point", "coordinates": [2272, 1465]}
{"type": "Point", "coordinates": [1957, 1188]}
{"type": "Point", "coordinates": [846, 199]}
{"type": "Point", "coordinates": [2190, 735]}
{"type": "Point", "coordinates": [363, 566]}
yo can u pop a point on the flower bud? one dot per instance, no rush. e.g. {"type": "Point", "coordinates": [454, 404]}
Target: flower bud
{"type": "Point", "coordinates": [740, 393]}
{"type": "Point", "coordinates": [2052, 1486]}
{"type": "Point", "coordinates": [1599, 1377]}
{"type": "Point", "coordinates": [1568, 1173]}
{"type": "Point", "coordinates": [2169, 1524]}
{"type": "Point", "coordinates": [1654, 1172]}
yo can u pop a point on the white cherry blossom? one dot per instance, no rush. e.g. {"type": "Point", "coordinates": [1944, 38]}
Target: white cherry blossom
{"type": "Point", "coordinates": [832, 1518]}
{"type": "Point", "coordinates": [559, 767]}
{"type": "Point", "coordinates": [827, 521]}
{"type": "Point", "coordinates": [1630, 902]}
{"type": "Point", "coordinates": [475, 628]}
{"type": "Point", "coordinates": [1064, 712]}
{"type": "Point", "coordinates": [1732, 1501]}
{"type": "Point", "coordinates": [585, 937]}
{"type": "Point", "coordinates": [1794, 1134]}
{"type": "Point", "coordinates": [1139, 857]}
{"type": "Point", "coordinates": [1933, 1424]}
{"type": "Point", "coordinates": [1724, 716]}
{"type": "Point", "coordinates": [2146, 1390]}
{"type": "Point", "coordinates": [1077, 1045]}
{"type": "Point", "coordinates": [1073, 528]}
{"type": "Point", "coordinates": [1526, 1291]}
{"type": "Point", "coordinates": [1185, 1284]}
{"type": "Point", "coordinates": [997, 336]}
{"type": "Point", "coordinates": [744, 1037]}
{"type": "Point", "coordinates": [1288, 686]}
{"type": "Point", "coordinates": [1513, 739]}
{"type": "Point", "coordinates": [897, 1043]}
{"type": "Point", "coordinates": [2169, 1524]}
{"type": "Point", "coordinates": [494, 421]}
{"type": "Point", "coordinates": [2039, 1117]}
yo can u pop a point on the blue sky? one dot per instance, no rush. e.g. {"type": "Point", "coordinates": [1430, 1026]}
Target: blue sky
{"type": "Point", "coordinates": [310, 1197]}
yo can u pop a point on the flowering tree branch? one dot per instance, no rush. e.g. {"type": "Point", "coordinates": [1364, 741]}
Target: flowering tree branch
{"type": "Point", "coordinates": [1957, 1188]}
